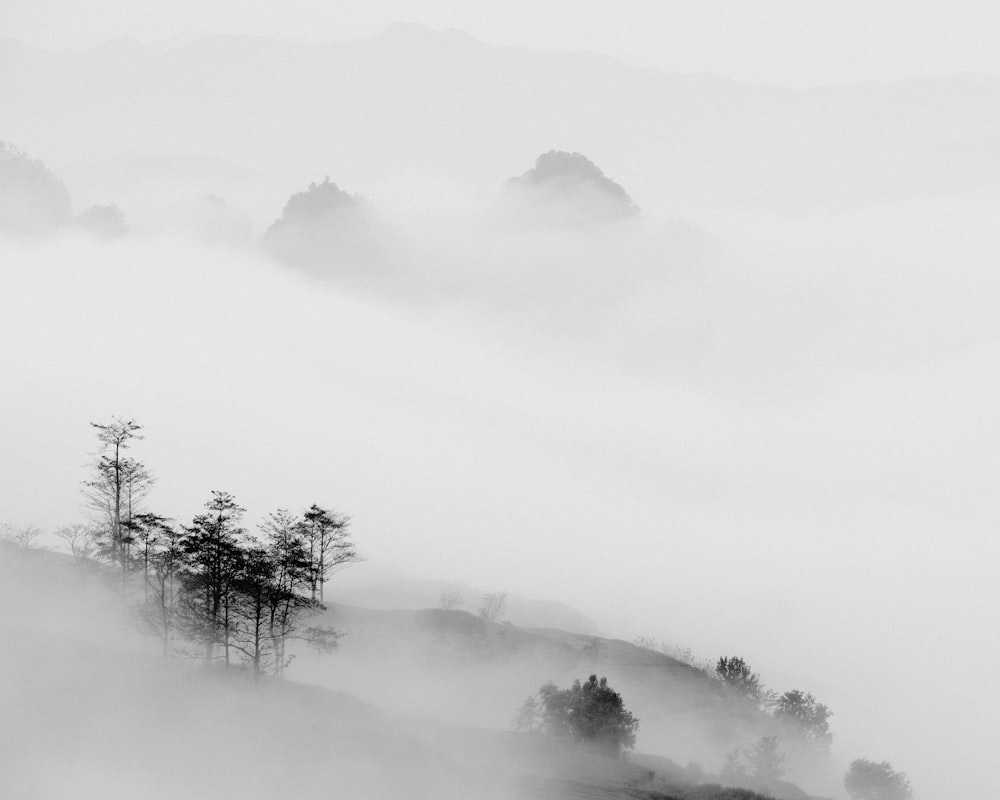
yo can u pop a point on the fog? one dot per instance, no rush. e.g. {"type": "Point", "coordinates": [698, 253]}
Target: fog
{"type": "Point", "coordinates": [90, 713]}
{"type": "Point", "coordinates": [782, 449]}
{"type": "Point", "coordinates": [766, 429]}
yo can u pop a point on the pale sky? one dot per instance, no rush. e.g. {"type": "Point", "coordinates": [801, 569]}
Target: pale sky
{"type": "Point", "coordinates": [797, 42]}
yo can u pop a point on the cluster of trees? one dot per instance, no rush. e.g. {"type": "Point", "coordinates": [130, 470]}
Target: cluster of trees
{"type": "Point", "coordinates": [593, 713]}
{"type": "Point", "coordinates": [210, 588]}
{"type": "Point", "coordinates": [798, 711]}
{"type": "Point", "coordinates": [590, 712]}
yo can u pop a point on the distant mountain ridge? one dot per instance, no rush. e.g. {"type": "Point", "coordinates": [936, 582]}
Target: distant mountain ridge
{"type": "Point", "coordinates": [446, 102]}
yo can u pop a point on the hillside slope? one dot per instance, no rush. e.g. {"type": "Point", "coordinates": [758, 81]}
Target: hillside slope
{"type": "Point", "coordinates": [90, 711]}
{"type": "Point", "coordinates": [454, 666]}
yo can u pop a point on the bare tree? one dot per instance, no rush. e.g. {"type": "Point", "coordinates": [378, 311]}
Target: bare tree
{"type": "Point", "coordinates": [450, 600]}
{"type": "Point", "coordinates": [23, 537]}
{"type": "Point", "coordinates": [81, 539]}
{"type": "Point", "coordinates": [493, 607]}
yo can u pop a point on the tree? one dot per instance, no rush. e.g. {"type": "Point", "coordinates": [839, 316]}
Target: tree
{"type": "Point", "coordinates": [737, 676]}
{"type": "Point", "coordinates": [761, 762]}
{"type": "Point", "coordinates": [766, 762]}
{"type": "Point", "coordinates": [116, 487]}
{"type": "Point", "coordinates": [23, 537]}
{"type": "Point", "coordinates": [493, 607]}
{"type": "Point", "coordinates": [81, 540]}
{"type": "Point", "coordinates": [868, 780]}
{"type": "Point", "coordinates": [449, 600]}
{"type": "Point", "coordinates": [166, 559]}
{"type": "Point", "coordinates": [212, 565]}
{"type": "Point", "coordinates": [590, 712]}
{"type": "Point", "coordinates": [806, 716]}
{"type": "Point", "coordinates": [288, 550]}
{"type": "Point", "coordinates": [248, 596]}
{"type": "Point", "coordinates": [256, 587]}
{"type": "Point", "coordinates": [137, 482]}
{"type": "Point", "coordinates": [530, 716]}
{"type": "Point", "coordinates": [734, 770]}
{"type": "Point", "coordinates": [142, 531]}
{"type": "Point", "coordinates": [329, 543]}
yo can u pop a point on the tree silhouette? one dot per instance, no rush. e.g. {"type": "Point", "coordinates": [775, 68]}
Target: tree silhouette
{"type": "Point", "coordinates": [737, 676]}
{"type": "Point", "coordinates": [116, 488]}
{"type": "Point", "coordinates": [328, 540]}
{"type": "Point", "coordinates": [212, 566]}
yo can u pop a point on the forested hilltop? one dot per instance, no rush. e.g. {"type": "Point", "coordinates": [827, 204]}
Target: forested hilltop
{"type": "Point", "coordinates": [241, 603]}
